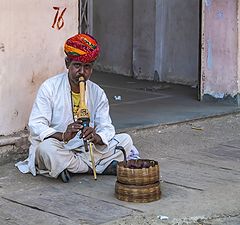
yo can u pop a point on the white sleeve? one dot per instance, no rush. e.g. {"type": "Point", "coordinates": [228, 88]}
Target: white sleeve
{"type": "Point", "coordinates": [103, 122]}
{"type": "Point", "coordinates": [40, 118]}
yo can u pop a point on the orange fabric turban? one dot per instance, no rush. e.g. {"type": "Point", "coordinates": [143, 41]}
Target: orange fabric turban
{"type": "Point", "coordinates": [82, 47]}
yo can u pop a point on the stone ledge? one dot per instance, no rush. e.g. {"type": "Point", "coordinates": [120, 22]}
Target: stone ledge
{"type": "Point", "coordinates": [13, 147]}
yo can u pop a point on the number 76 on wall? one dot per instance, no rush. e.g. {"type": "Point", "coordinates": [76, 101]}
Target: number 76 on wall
{"type": "Point", "coordinates": [58, 19]}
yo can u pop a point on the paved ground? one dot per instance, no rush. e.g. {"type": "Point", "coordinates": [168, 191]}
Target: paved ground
{"type": "Point", "coordinates": [146, 103]}
{"type": "Point", "coordinates": [200, 183]}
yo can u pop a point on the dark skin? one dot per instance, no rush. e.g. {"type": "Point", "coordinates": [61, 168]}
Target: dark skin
{"type": "Point", "coordinates": [75, 71]}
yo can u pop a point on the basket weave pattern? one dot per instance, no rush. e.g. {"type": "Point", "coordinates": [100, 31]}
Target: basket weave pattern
{"type": "Point", "coordinates": [141, 176]}
{"type": "Point", "coordinates": [140, 194]}
{"type": "Point", "coordinates": [138, 181]}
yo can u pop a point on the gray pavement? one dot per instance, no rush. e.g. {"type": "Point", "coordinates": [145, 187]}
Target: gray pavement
{"type": "Point", "coordinates": [147, 103]}
{"type": "Point", "coordinates": [200, 183]}
{"type": "Point", "coordinates": [199, 165]}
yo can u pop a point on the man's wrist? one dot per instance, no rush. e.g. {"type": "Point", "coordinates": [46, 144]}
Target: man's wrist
{"type": "Point", "coordinates": [59, 136]}
{"type": "Point", "coordinates": [64, 138]}
{"type": "Point", "coordinates": [99, 140]}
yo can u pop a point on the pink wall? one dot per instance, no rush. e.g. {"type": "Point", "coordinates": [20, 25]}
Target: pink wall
{"type": "Point", "coordinates": [30, 51]}
{"type": "Point", "coordinates": [220, 51]}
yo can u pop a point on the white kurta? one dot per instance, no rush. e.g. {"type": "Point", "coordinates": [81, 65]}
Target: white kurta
{"type": "Point", "coordinates": [52, 112]}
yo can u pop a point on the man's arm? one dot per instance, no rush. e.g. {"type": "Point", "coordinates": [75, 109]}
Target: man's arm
{"type": "Point", "coordinates": [71, 131]}
{"type": "Point", "coordinates": [102, 120]}
{"type": "Point", "coordinates": [58, 135]}
{"type": "Point", "coordinates": [41, 114]}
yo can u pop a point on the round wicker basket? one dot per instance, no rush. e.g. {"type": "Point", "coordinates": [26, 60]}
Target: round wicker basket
{"type": "Point", "coordinates": [138, 172]}
{"type": "Point", "coordinates": [138, 194]}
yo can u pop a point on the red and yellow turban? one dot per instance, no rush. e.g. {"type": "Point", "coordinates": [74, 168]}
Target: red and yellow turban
{"type": "Point", "coordinates": [82, 47]}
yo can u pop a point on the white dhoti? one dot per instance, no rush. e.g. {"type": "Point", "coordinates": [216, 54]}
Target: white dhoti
{"type": "Point", "coordinates": [52, 157]}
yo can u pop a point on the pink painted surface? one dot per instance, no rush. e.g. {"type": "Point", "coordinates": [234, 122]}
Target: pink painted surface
{"type": "Point", "coordinates": [31, 50]}
{"type": "Point", "coordinates": [219, 69]}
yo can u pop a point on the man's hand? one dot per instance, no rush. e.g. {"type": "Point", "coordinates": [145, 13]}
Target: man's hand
{"type": "Point", "coordinates": [89, 134]}
{"type": "Point", "coordinates": [72, 130]}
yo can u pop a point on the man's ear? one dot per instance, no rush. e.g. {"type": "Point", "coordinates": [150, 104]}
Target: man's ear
{"type": "Point", "coordinates": [67, 62]}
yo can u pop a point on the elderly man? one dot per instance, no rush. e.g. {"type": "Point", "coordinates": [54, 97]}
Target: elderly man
{"type": "Point", "coordinates": [57, 136]}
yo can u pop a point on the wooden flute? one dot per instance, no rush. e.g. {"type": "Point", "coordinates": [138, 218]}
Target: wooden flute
{"type": "Point", "coordinates": [84, 115]}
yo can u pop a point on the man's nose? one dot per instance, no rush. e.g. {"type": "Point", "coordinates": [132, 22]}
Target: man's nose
{"type": "Point", "coordinates": [81, 69]}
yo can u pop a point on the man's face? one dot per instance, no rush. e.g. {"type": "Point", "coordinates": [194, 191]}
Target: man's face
{"type": "Point", "coordinates": [77, 69]}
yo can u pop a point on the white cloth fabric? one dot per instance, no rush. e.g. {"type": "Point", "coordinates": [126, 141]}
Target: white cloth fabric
{"type": "Point", "coordinates": [134, 154]}
{"type": "Point", "coordinates": [52, 112]}
{"type": "Point", "coordinates": [52, 157]}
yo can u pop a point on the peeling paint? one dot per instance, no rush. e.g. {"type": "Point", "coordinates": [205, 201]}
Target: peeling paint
{"type": "Point", "coordinates": [208, 3]}
{"type": "Point", "coordinates": [2, 47]}
{"type": "Point", "coordinates": [209, 55]}
{"type": "Point", "coordinates": [218, 95]}
{"type": "Point", "coordinates": [139, 70]}
{"type": "Point", "coordinates": [156, 76]}
{"type": "Point", "coordinates": [220, 54]}
{"type": "Point", "coordinates": [15, 113]}
{"type": "Point", "coordinates": [226, 99]}
{"type": "Point", "coordinates": [220, 15]}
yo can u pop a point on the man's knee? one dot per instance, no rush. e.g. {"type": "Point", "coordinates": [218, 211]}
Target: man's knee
{"type": "Point", "coordinates": [124, 139]}
{"type": "Point", "coordinates": [46, 146]}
